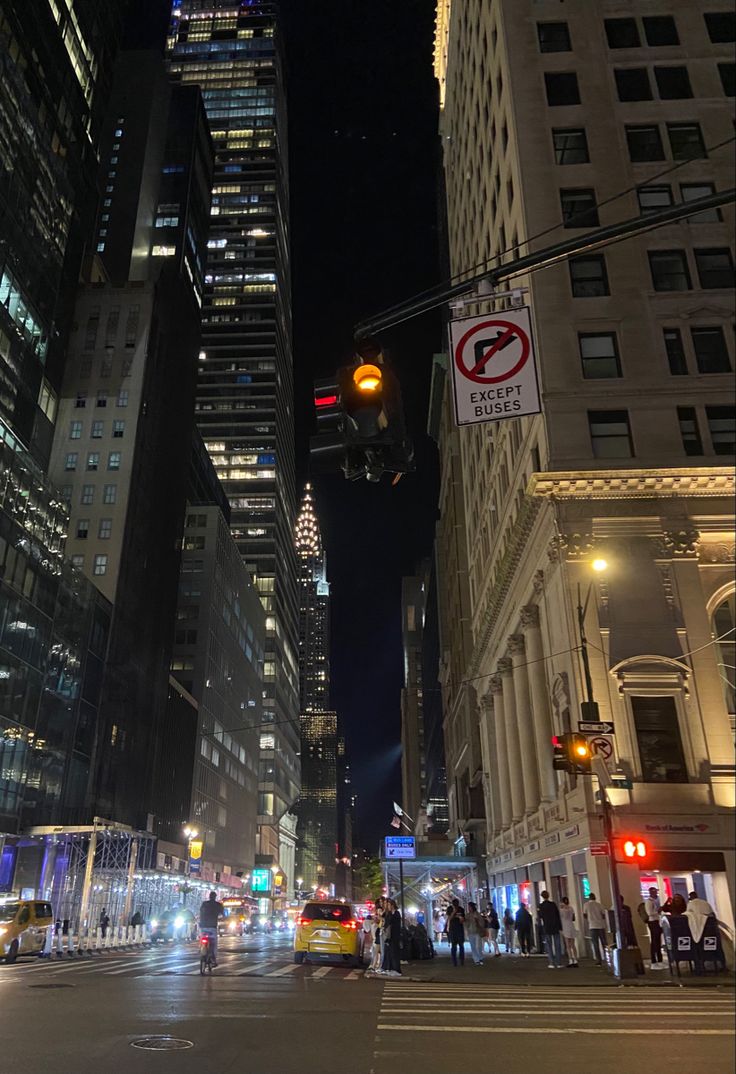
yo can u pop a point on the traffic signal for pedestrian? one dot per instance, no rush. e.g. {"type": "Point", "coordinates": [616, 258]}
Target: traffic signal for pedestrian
{"type": "Point", "coordinates": [571, 753]}
{"type": "Point", "coordinates": [634, 850]}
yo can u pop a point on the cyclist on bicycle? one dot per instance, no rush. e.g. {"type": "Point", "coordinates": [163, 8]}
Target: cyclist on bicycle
{"type": "Point", "coordinates": [209, 914]}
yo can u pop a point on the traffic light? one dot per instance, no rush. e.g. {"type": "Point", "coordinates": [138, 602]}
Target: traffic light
{"type": "Point", "coordinates": [634, 850]}
{"type": "Point", "coordinates": [327, 448]}
{"type": "Point", "coordinates": [361, 418]}
{"type": "Point", "coordinates": [571, 753]}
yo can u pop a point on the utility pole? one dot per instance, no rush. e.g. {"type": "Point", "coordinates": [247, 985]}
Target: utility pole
{"type": "Point", "coordinates": [590, 711]}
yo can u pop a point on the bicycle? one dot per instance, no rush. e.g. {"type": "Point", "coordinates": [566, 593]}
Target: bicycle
{"type": "Point", "coordinates": [206, 958]}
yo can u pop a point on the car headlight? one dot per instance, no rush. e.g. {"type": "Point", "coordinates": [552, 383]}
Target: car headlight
{"type": "Point", "coordinates": [154, 924]}
{"type": "Point", "coordinates": [178, 922]}
{"type": "Point", "coordinates": [3, 931]}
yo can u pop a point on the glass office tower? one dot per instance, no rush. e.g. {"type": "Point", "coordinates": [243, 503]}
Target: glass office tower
{"type": "Point", "coordinates": [245, 396]}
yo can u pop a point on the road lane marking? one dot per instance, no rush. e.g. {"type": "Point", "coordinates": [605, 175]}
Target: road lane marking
{"type": "Point", "coordinates": [354, 975]}
{"type": "Point", "coordinates": [322, 971]}
{"type": "Point", "coordinates": [282, 972]}
{"type": "Point", "coordinates": [556, 1029]}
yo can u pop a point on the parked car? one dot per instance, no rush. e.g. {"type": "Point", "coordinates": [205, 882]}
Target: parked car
{"type": "Point", "coordinates": [23, 926]}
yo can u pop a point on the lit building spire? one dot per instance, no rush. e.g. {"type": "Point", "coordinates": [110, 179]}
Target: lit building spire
{"type": "Point", "coordinates": [307, 537]}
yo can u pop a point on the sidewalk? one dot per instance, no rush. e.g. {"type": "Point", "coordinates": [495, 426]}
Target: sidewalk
{"type": "Point", "coordinates": [514, 972]}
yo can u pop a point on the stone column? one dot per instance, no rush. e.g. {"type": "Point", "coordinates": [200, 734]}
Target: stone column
{"type": "Point", "coordinates": [486, 709]}
{"type": "Point", "coordinates": [541, 711]}
{"type": "Point", "coordinates": [513, 749]}
{"type": "Point", "coordinates": [527, 741]}
{"type": "Point", "coordinates": [501, 759]}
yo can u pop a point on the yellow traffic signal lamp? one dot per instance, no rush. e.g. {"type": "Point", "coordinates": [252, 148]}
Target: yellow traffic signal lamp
{"type": "Point", "coordinates": [571, 753]}
{"type": "Point", "coordinates": [368, 378]}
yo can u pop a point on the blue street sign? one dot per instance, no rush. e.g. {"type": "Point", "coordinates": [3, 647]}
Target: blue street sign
{"type": "Point", "coordinates": [400, 846]}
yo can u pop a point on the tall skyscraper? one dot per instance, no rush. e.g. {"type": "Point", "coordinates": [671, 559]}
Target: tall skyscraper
{"type": "Point", "coordinates": [557, 119]}
{"type": "Point", "coordinates": [314, 611]}
{"type": "Point", "coordinates": [424, 789]}
{"type": "Point", "coordinates": [57, 57]}
{"type": "Point", "coordinates": [123, 437]}
{"type": "Point", "coordinates": [245, 392]}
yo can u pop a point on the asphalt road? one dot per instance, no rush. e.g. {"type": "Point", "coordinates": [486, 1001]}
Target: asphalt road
{"type": "Point", "coordinates": [259, 1013]}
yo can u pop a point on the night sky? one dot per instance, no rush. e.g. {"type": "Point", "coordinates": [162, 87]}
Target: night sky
{"type": "Point", "coordinates": [364, 157]}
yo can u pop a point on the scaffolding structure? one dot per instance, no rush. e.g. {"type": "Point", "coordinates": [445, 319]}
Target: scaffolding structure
{"type": "Point", "coordinates": [105, 866]}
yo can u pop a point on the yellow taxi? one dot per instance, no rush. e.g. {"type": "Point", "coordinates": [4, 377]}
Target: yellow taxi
{"type": "Point", "coordinates": [327, 929]}
{"type": "Point", "coordinates": [23, 925]}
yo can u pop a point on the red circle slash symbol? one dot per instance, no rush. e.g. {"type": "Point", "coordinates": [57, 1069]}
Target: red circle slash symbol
{"type": "Point", "coordinates": [493, 338]}
{"type": "Point", "coordinates": [601, 746]}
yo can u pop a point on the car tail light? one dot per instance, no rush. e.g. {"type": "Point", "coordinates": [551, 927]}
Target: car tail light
{"type": "Point", "coordinates": [302, 921]}
{"type": "Point", "coordinates": [349, 925]}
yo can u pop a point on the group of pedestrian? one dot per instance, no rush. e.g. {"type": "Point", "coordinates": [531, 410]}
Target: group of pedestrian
{"type": "Point", "coordinates": [696, 909]}
{"type": "Point", "coordinates": [382, 939]}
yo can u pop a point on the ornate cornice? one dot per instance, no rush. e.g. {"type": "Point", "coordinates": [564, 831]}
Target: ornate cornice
{"type": "Point", "coordinates": [635, 484]}
{"type": "Point", "coordinates": [496, 598]}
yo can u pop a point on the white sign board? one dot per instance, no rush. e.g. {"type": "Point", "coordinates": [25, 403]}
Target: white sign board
{"type": "Point", "coordinates": [494, 370]}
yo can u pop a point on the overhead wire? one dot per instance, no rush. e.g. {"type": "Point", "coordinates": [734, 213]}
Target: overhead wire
{"type": "Point", "coordinates": [457, 277]}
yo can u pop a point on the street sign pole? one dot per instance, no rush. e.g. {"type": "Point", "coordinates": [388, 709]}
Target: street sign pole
{"type": "Point", "coordinates": [401, 891]}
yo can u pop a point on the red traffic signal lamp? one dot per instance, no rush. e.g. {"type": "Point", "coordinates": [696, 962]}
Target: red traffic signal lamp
{"type": "Point", "coordinates": [571, 753]}
{"type": "Point", "coordinates": [634, 850]}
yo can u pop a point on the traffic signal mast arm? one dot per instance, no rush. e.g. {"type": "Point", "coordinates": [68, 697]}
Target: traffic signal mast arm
{"type": "Point", "coordinates": [544, 258]}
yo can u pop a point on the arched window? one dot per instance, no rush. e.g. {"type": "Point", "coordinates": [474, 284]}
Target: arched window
{"type": "Point", "coordinates": [724, 628]}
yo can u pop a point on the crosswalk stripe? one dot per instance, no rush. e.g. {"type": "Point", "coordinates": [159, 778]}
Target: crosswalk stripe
{"type": "Point", "coordinates": [602, 1000]}
{"type": "Point", "coordinates": [453, 994]}
{"type": "Point", "coordinates": [542, 1013]}
{"type": "Point", "coordinates": [354, 975]}
{"type": "Point", "coordinates": [255, 966]}
{"type": "Point", "coordinates": [617, 1031]}
{"type": "Point", "coordinates": [283, 971]}
{"type": "Point", "coordinates": [322, 971]}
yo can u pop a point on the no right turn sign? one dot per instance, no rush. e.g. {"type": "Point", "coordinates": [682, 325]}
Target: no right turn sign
{"type": "Point", "coordinates": [493, 367]}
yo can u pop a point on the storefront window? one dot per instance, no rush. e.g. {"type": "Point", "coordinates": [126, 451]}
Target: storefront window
{"type": "Point", "coordinates": [658, 736]}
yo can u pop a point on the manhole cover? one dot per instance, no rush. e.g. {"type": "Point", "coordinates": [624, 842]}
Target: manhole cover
{"type": "Point", "coordinates": [51, 986]}
{"type": "Point", "coordinates": [162, 1044]}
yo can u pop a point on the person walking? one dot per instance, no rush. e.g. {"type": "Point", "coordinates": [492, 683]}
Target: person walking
{"type": "Point", "coordinates": [475, 927]}
{"type": "Point", "coordinates": [456, 932]}
{"type": "Point", "coordinates": [509, 928]}
{"type": "Point", "coordinates": [552, 929]}
{"type": "Point", "coordinates": [104, 921]}
{"type": "Point", "coordinates": [596, 918]}
{"type": "Point", "coordinates": [569, 932]}
{"type": "Point", "coordinates": [652, 911]}
{"type": "Point", "coordinates": [494, 927]}
{"type": "Point", "coordinates": [524, 930]}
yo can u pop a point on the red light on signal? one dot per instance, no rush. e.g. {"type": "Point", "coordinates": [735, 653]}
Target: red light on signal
{"type": "Point", "coordinates": [325, 400]}
{"type": "Point", "coordinates": [635, 848]}
{"type": "Point", "coordinates": [556, 740]}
